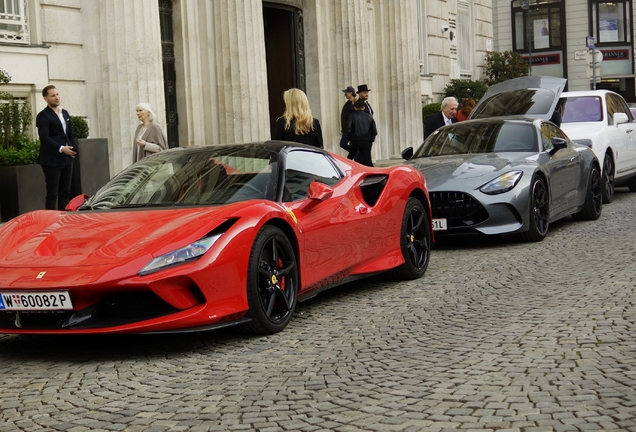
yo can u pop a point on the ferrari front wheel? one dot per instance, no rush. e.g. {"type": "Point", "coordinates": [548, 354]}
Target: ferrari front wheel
{"type": "Point", "coordinates": [272, 282]}
{"type": "Point", "coordinates": [415, 241]}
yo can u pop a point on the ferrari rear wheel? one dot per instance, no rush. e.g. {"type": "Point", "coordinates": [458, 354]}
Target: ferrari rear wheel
{"type": "Point", "coordinates": [272, 282]}
{"type": "Point", "coordinates": [608, 179]}
{"type": "Point", "coordinates": [538, 220]}
{"type": "Point", "coordinates": [415, 241]}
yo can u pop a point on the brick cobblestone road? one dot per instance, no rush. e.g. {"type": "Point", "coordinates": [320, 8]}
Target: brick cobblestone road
{"type": "Point", "coordinates": [497, 335]}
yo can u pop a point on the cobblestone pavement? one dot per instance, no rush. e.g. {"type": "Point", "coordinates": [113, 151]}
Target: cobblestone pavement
{"type": "Point", "coordinates": [497, 335]}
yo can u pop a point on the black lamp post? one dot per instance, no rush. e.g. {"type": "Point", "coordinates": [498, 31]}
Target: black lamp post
{"type": "Point", "coordinates": [526, 7]}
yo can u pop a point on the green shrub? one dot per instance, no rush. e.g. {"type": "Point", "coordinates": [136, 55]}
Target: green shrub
{"type": "Point", "coordinates": [430, 109]}
{"type": "Point", "coordinates": [26, 153]}
{"type": "Point", "coordinates": [15, 117]}
{"type": "Point", "coordinates": [79, 125]}
{"type": "Point", "coordinates": [502, 66]}
{"type": "Point", "coordinates": [462, 88]}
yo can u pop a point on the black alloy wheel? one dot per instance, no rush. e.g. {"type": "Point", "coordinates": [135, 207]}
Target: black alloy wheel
{"type": "Point", "coordinates": [539, 211]}
{"type": "Point", "coordinates": [608, 179]}
{"type": "Point", "coordinates": [415, 241]}
{"type": "Point", "coordinates": [272, 282]}
{"type": "Point", "coordinates": [593, 204]}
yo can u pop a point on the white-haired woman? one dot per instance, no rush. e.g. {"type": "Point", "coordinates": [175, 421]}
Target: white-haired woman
{"type": "Point", "coordinates": [149, 137]}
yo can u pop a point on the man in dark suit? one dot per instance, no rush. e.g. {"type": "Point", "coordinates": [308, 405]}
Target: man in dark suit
{"type": "Point", "coordinates": [442, 118]}
{"type": "Point", "coordinates": [56, 149]}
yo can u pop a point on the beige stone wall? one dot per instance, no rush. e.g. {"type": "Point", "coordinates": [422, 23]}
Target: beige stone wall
{"type": "Point", "coordinates": [105, 57]}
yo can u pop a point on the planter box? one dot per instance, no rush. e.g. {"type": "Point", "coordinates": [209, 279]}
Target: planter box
{"type": "Point", "coordinates": [91, 166]}
{"type": "Point", "coordinates": [23, 190]}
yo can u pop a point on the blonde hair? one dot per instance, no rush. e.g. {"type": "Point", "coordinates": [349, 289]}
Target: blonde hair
{"type": "Point", "coordinates": [297, 111]}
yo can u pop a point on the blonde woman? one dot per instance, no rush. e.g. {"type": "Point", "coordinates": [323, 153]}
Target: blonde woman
{"type": "Point", "coordinates": [149, 137]}
{"type": "Point", "coordinates": [297, 124]}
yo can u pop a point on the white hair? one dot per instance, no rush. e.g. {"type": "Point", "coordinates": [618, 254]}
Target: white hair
{"type": "Point", "coordinates": [146, 107]}
{"type": "Point", "coordinates": [447, 100]}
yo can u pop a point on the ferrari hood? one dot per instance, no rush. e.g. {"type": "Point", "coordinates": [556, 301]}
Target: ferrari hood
{"type": "Point", "coordinates": [466, 172]}
{"type": "Point", "coordinates": [529, 96]}
{"type": "Point", "coordinates": [68, 239]}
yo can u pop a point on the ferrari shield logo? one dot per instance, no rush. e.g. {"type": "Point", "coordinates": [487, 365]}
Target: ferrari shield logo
{"type": "Point", "coordinates": [40, 275]}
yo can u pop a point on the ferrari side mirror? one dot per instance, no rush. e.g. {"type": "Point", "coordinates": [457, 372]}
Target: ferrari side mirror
{"type": "Point", "coordinates": [407, 153]}
{"type": "Point", "coordinates": [317, 192]}
{"type": "Point", "coordinates": [76, 202]}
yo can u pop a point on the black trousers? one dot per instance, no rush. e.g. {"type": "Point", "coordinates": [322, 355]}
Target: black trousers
{"type": "Point", "coordinates": [362, 152]}
{"type": "Point", "coordinates": [58, 185]}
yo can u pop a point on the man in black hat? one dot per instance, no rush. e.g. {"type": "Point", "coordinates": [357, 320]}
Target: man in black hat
{"type": "Point", "coordinates": [347, 109]}
{"type": "Point", "coordinates": [363, 93]}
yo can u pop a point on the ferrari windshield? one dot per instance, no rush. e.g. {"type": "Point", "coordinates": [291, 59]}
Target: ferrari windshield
{"type": "Point", "coordinates": [480, 137]}
{"type": "Point", "coordinates": [206, 176]}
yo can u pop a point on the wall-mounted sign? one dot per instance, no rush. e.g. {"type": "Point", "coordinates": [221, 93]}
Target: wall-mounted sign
{"type": "Point", "coordinates": [544, 59]}
{"type": "Point", "coordinates": [615, 54]}
{"type": "Point", "coordinates": [580, 54]}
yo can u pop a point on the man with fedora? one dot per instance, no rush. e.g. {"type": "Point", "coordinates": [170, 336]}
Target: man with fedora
{"type": "Point", "coordinates": [347, 109]}
{"type": "Point", "coordinates": [363, 93]}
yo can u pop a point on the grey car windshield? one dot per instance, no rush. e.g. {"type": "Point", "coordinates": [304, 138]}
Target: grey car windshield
{"type": "Point", "coordinates": [480, 137]}
{"type": "Point", "coordinates": [515, 102]}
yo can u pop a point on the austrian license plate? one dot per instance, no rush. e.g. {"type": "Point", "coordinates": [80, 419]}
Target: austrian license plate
{"type": "Point", "coordinates": [439, 225]}
{"type": "Point", "coordinates": [35, 301]}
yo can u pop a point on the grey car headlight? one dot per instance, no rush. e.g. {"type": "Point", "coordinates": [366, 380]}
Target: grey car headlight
{"type": "Point", "coordinates": [503, 183]}
{"type": "Point", "coordinates": [181, 255]}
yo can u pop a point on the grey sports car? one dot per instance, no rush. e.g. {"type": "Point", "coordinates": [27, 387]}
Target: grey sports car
{"type": "Point", "coordinates": [507, 175]}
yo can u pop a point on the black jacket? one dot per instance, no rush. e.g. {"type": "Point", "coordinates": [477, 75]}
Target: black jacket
{"type": "Point", "coordinates": [313, 138]}
{"type": "Point", "coordinates": [52, 137]}
{"type": "Point", "coordinates": [434, 122]}
{"type": "Point", "coordinates": [361, 127]}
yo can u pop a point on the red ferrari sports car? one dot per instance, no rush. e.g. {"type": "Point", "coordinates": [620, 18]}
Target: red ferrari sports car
{"type": "Point", "coordinates": [199, 238]}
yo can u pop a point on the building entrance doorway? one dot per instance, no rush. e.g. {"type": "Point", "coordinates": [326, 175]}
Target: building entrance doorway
{"type": "Point", "coordinates": [284, 47]}
{"type": "Point", "coordinates": [622, 86]}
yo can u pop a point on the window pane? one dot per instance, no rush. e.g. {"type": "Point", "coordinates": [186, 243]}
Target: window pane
{"type": "Point", "coordinates": [519, 33]}
{"type": "Point", "coordinates": [608, 22]}
{"type": "Point", "coordinates": [541, 31]}
{"type": "Point", "coordinates": [465, 41]}
{"type": "Point", "coordinates": [555, 28]}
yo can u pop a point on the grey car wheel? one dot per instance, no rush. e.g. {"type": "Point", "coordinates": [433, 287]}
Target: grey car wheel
{"type": "Point", "coordinates": [539, 211]}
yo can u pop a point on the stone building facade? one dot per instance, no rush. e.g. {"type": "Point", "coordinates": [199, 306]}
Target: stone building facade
{"type": "Point", "coordinates": [556, 35]}
{"type": "Point", "coordinates": [215, 70]}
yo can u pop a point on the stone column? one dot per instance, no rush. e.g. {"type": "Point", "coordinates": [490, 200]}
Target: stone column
{"type": "Point", "coordinates": [222, 93]}
{"type": "Point", "coordinates": [398, 77]}
{"type": "Point", "coordinates": [339, 48]}
{"type": "Point", "coordinates": [123, 52]}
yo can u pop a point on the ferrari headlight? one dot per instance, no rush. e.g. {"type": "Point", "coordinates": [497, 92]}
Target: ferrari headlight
{"type": "Point", "coordinates": [503, 183]}
{"type": "Point", "coordinates": [182, 255]}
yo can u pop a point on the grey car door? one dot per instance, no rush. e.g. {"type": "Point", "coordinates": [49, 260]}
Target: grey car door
{"type": "Point", "coordinates": [563, 167]}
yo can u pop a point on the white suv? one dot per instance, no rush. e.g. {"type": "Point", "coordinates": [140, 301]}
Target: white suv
{"type": "Point", "coordinates": [602, 120]}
